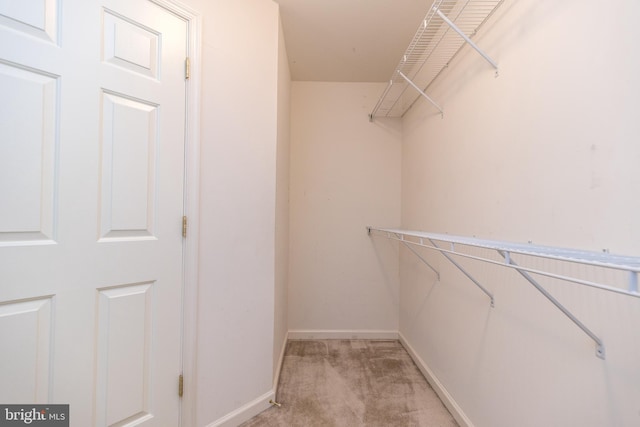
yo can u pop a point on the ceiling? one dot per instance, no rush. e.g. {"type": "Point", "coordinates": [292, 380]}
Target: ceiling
{"type": "Point", "coordinates": [348, 40]}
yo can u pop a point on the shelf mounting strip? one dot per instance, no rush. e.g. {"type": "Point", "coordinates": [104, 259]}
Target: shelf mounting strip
{"type": "Point", "coordinates": [432, 48]}
{"type": "Point", "coordinates": [629, 264]}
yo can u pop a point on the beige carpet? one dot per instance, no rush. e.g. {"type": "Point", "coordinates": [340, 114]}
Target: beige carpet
{"type": "Point", "coordinates": [352, 383]}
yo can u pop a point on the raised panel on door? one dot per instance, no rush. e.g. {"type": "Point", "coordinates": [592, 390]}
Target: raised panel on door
{"type": "Point", "coordinates": [28, 125]}
{"type": "Point", "coordinates": [128, 162]}
{"type": "Point", "coordinates": [130, 45]}
{"type": "Point", "coordinates": [125, 351]}
{"type": "Point", "coordinates": [37, 18]}
{"type": "Point", "coordinates": [25, 350]}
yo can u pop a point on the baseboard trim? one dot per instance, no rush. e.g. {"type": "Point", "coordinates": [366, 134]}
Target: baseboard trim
{"type": "Point", "coordinates": [246, 412]}
{"type": "Point", "coordinates": [258, 405]}
{"type": "Point", "coordinates": [255, 407]}
{"type": "Point", "coordinates": [276, 377]}
{"type": "Point", "coordinates": [325, 334]}
{"type": "Point", "coordinates": [448, 400]}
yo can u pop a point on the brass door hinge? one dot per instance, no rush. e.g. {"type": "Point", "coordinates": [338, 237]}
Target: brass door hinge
{"type": "Point", "coordinates": [187, 68]}
{"type": "Point", "coordinates": [180, 385]}
{"type": "Point", "coordinates": [184, 226]}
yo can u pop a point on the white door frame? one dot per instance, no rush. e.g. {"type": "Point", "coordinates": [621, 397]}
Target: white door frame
{"type": "Point", "coordinates": [191, 208]}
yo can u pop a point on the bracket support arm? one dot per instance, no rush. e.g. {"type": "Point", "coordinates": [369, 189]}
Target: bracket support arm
{"type": "Point", "coordinates": [600, 351]}
{"type": "Point", "coordinates": [424, 261]}
{"type": "Point", "coordinates": [421, 92]}
{"type": "Point", "coordinates": [465, 37]}
{"type": "Point", "coordinates": [459, 267]}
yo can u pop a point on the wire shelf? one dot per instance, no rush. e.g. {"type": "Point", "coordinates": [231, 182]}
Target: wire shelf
{"type": "Point", "coordinates": [450, 250]}
{"type": "Point", "coordinates": [448, 25]}
{"type": "Point", "coordinates": [601, 259]}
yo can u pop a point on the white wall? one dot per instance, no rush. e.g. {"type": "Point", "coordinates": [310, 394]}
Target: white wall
{"type": "Point", "coordinates": [282, 206]}
{"type": "Point", "coordinates": [345, 175]}
{"type": "Point", "coordinates": [238, 204]}
{"type": "Point", "coordinates": [546, 152]}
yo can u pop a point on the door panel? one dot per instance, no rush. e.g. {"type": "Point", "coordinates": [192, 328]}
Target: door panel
{"type": "Point", "coordinates": [129, 145]}
{"type": "Point", "coordinates": [27, 158]}
{"type": "Point", "coordinates": [38, 18]}
{"type": "Point", "coordinates": [92, 120]}
{"type": "Point", "coordinates": [124, 353]}
{"type": "Point", "coordinates": [26, 329]}
{"type": "Point", "coordinates": [130, 45]}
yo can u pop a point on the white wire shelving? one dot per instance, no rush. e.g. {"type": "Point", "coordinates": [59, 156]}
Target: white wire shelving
{"type": "Point", "coordinates": [450, 247]}
{"type": "Point", "coordinates": [447, 27]}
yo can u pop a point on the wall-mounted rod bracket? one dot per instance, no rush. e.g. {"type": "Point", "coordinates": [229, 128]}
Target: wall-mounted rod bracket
{"type": "Point", "coordinates": [469, 276]}
{"type": "Point", "coordinates": [600, 351]}
{"type": "Point", "coordinates": [466, 39]}
{"type": "Point", "coordinates": [421, 92]}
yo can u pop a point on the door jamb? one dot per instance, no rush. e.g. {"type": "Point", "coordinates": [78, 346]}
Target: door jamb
{"type": "Point", "coordinates": [191, 209]}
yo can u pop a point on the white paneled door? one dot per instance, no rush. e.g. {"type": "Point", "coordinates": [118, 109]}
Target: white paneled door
{"type": "Point", "coordinates": [92, 138]}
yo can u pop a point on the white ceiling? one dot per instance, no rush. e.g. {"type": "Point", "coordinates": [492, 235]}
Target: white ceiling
{"type": "Point", "coordinates": [348, 40]}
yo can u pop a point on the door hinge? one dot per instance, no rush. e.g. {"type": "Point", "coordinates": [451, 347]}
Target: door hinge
{"type": "Point", "coordinates": [187, 68]}
{"type": "Point", "coordinates": [180, 385]}
{"type": "Point", "coordinates": [184, 226]}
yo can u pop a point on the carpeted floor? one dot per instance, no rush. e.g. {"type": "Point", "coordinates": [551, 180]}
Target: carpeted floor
{"type": "Point", "coordinates": [352, 383]}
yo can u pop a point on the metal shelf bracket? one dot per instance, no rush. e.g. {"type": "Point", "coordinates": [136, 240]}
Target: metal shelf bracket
{"type": "Point", "coordinates": [421, 92]}
{"type": "Point", "coordinates": [421, 259]}
{"type": "Point", "coordinates": [464, 36]}
{"type": "Point", "coordinates": [469, 276]}
{"type": "Point", "coordinates": [600, 351]}
{"type": "Point", "coordinates": [506, 250]}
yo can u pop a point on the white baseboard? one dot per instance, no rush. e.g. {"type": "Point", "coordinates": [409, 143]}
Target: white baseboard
{"type": "Point", "coordinates": [258, 405]}
{"type": "Point", "coordinates": [448, 400]}
{"type": "Point", "coordinates": [246, 412]}
{"type": "Point", "coordinates": [276, 377]}
{"type": "Point", "coordinates": [320, 334]}
{"type": "Point", "coordinates": [251, 409]}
